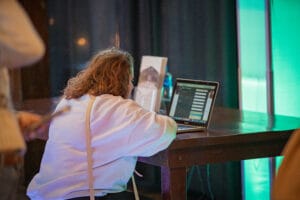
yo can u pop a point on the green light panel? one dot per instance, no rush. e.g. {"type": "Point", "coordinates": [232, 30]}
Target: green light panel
{"type": "Point", "coordinates": [286, 51]}
{"type": "Point", "coordinates": [285, 58]}
{"type": "Point", "coordinates": [252, 48]}
{"type": "Point", "coordinates": [252, 54]}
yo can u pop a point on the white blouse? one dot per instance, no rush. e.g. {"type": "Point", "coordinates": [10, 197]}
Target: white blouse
{"type": "Point", "coordinates": [121, 130]}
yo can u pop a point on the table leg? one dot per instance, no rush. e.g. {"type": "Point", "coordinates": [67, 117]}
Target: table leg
{"type": "Point", "coordinates": [272, 167]}
{"type": "Point", "coordinates": [173, 183]}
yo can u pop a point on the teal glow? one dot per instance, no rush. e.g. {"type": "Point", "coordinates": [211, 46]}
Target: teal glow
{"type": "Point", "coordinates": [256, 179]}
{"type": "Point", "coordinates": [252, 63]}
{"type": "Point", "coordinates": [252, 55]}
{"type": "Point", "coordinates": [278, 161]}
{"type": "Point", "coordinates": [286, 51]}
{"type": "Point", "coordinates": [286, 71]}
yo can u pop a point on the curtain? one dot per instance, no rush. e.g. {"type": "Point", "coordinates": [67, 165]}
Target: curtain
{"type": "Point", "coordinates": [197, 36]}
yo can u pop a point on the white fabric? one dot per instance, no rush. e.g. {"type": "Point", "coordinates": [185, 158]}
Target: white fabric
{"type": "Point", "coordinates": [89, 149]}
{"type": "Point", "coordinates": [121, 131]}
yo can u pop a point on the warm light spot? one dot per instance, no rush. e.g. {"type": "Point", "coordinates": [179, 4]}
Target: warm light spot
{"type": "Point", "coordinates": [51, 21]}
{"type": "Point", "coordinates": [81, 41]}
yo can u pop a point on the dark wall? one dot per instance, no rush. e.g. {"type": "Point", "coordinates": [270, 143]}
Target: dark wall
{"type": "Point", "coordinates": [198, 37]}
{"type": "Point", "coordinates": [35, 78]}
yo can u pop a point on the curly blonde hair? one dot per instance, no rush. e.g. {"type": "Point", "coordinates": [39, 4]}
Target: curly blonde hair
{"type": "Point", "coordinates": [108, 72]}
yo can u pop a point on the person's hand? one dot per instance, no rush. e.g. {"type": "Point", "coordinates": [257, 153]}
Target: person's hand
{"type": "Point", "coordinates": [26, 120]}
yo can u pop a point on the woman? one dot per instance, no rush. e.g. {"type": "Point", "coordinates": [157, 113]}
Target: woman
{"type": "Point", "coordinates": [286, 184]}
{"type": "Point", "coordinates": [20, 46]}
{"type": "Point", "coordinates": [98, 158]}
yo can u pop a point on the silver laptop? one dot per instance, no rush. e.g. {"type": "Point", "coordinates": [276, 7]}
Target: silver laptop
{"type": "Point", "coordinates": [192, 104]}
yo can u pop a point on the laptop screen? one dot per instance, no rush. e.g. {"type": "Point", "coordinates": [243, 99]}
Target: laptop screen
{"type": "Point", "coordinates": [192, 101]}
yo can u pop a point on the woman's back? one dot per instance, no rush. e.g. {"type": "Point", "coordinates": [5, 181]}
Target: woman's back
{"type": "Point", "coordinates": [120, 132]}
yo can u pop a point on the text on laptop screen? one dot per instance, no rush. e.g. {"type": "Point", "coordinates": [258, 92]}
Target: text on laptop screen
{"type": "Point", "coordinates": [192, 102]}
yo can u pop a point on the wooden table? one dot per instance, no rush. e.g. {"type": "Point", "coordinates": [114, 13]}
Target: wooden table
{"type": "Point", "coordinates": [233, 135]}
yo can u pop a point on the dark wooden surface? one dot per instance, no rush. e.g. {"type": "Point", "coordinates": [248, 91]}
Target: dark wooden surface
{"type": "Point", "coordinates": [233, 135]}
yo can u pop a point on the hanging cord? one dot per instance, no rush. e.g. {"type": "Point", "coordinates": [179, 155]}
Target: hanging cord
{"type": "Point", "coordinates": [200, 178]}
{"type": "Point", "coordinates": [89, 148]}
{"type": "Point", "coordinates": [135, 190]}
{"type": "Point", "coordinates": [208, 182]}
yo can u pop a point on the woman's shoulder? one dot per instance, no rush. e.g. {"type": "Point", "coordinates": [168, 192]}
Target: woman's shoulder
{"type": "Point", "coordinates": [109, 97]}
{"type": "Point", "coordinates": [108, 100]}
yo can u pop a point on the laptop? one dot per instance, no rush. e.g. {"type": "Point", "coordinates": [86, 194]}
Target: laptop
{"type": "Point", "coordinates": [192, 104]}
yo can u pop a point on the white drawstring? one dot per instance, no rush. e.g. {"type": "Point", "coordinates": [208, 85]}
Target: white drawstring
{"type": "Point", "coordinates": [89, 148]}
